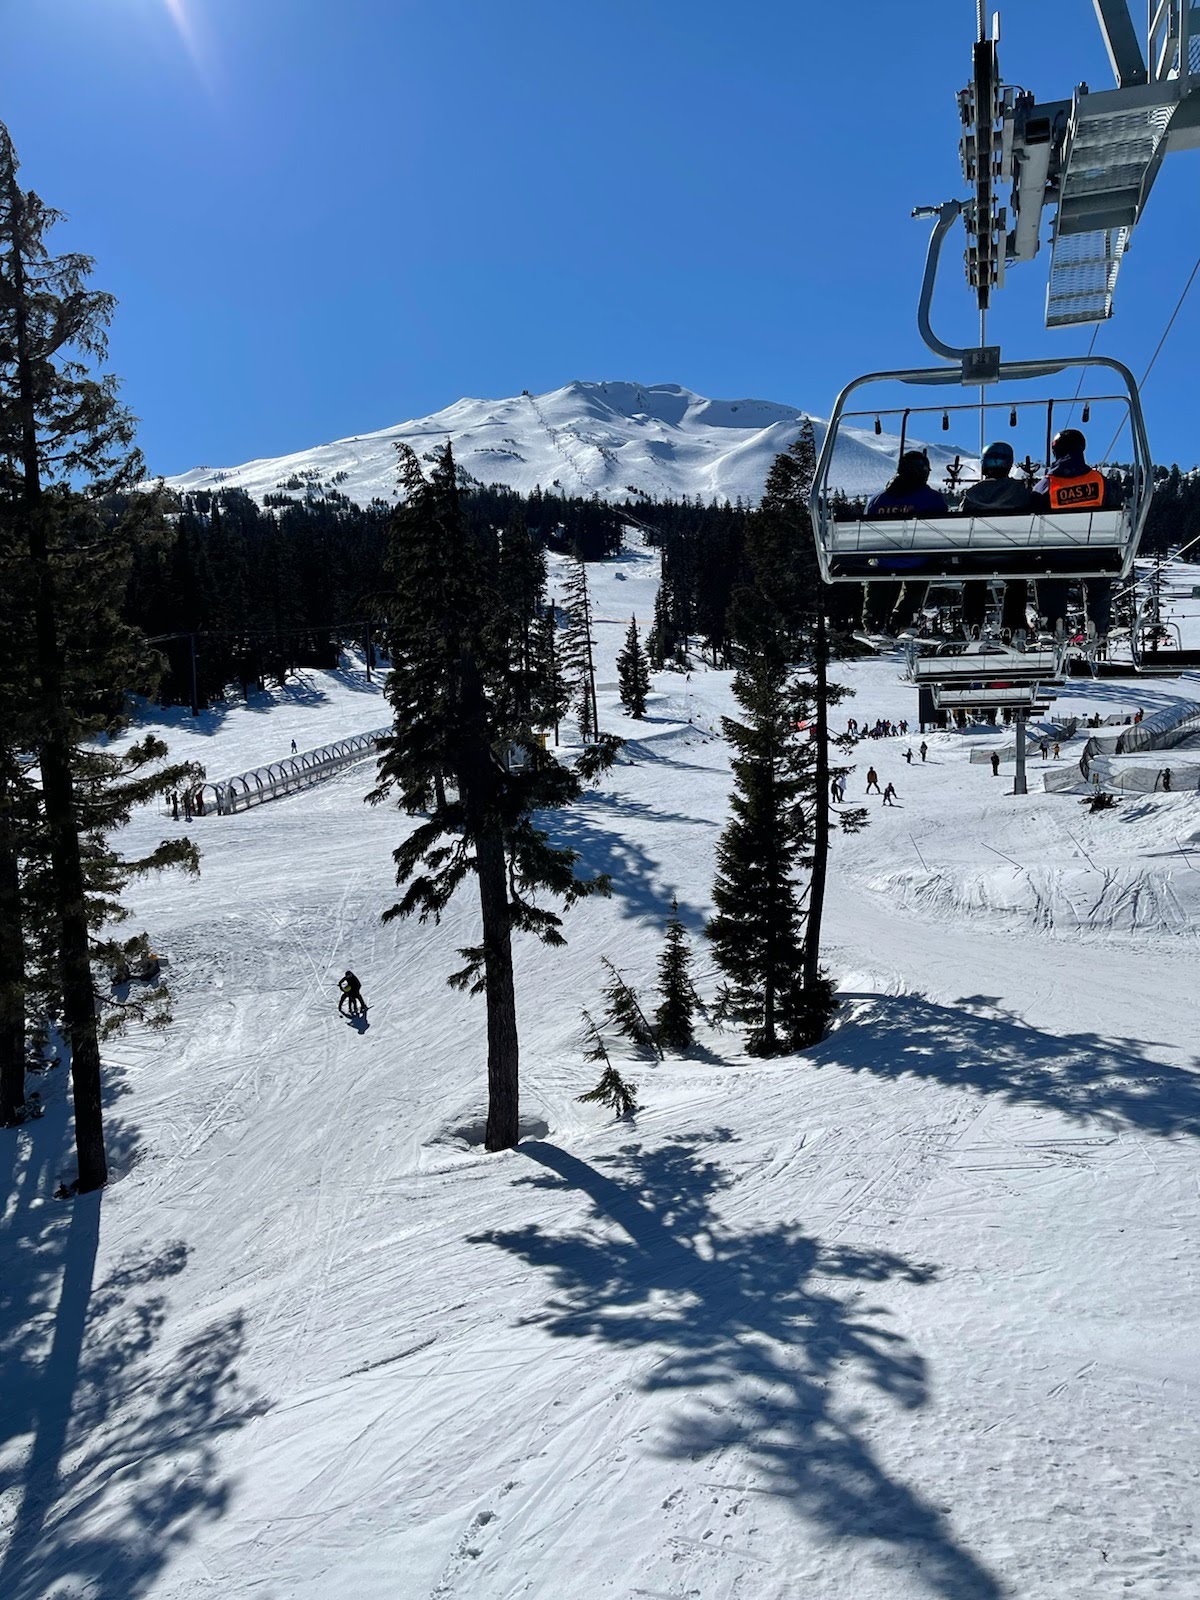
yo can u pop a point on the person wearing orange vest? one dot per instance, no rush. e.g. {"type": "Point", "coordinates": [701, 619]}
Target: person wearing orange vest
{"type": "Point", "coordinates": [1071, 485]}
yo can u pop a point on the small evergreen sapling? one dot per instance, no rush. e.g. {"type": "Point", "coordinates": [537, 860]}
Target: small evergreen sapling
{"type": "Point", "coordinates": [612, 1090]}
{"type": "Point", "coordinates": [679, 1001]}
{"type": "Point", "coordinates": [623, 1011]}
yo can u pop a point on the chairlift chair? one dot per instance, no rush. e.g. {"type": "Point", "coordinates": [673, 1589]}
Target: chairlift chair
{"type": "Point", "coordinates": [949, 548]}
{"type": "Point", "coordinates": [994, 666]}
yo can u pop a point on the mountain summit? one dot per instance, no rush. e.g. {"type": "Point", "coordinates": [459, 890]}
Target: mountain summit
{"type": "Point", "coordinates": [618, 440]}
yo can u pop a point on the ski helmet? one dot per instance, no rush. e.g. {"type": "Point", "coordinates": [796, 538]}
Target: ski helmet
{"type": "Point", "coordinates": [1070, 442]}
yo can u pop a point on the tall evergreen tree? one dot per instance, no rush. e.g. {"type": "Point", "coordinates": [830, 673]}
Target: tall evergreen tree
{"type": "Point", "coordinates": [67, 445]}
{"type": "Point", "coordinates": [758, 932]}
{"type": "Point", "coordinates": [678, 1001]}
{"type": "Point", "coordinates": [451, 690]}
{"type": "Point", "coordinates": [579, 651]}
{"type": "Point", "coordinates": [633, 673]}
{"type": "Point", "coordinates": [551, 692]}
{"type": "Point", "coordinates": [521, 587]}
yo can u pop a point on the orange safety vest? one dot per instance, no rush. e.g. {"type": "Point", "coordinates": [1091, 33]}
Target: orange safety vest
{"type": "Point", "coordinates": [1077, 494]}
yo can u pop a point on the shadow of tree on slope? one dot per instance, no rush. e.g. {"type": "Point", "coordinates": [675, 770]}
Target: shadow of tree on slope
{"type": "Point", "coordinates": [107, 1448]}
{"type": "Point", "coordinates": [978, 1045]}
{"type": "Point", "coordinates": [749, 1327]}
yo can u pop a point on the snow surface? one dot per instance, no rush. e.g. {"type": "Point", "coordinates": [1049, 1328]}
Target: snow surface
{"type": "Point", "coordinates": [912, 1315]}
{"type": "Point", "coordinates": [613, 439]}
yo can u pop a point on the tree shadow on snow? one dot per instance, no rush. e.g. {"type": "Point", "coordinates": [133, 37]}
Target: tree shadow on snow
{"type": "Point", "coordinates": [107, 1446]}
{"type": "Point", "coordinates": [981, 1047]}
{"type": "Point", "coordinates": [634, 872]}
{"type": "Point", "coordinates": [750, 1329]}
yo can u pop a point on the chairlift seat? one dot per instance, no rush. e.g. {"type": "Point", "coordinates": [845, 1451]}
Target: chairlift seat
{"type": "Point", "coordinates": [991, 669]}
{"type": "Point", "coordinates": [1030, 697]}
{"type": "Point", "coordinates": [1096, 544]}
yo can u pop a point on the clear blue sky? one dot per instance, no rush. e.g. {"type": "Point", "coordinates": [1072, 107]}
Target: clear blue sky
{"type": "Point", "coordinates": [323, 218]}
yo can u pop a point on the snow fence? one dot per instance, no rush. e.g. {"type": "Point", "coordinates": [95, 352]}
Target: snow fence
{"type": "Point", "coordinates": [301, 771]}
{"type": "Point", "coordinates": [1099, 767]}
{"type": "Point", "coordinates": [1051, 732]}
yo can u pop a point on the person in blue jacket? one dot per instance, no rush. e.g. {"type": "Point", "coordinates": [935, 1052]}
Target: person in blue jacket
{"type": "Point", "coordinates": [907, 495]}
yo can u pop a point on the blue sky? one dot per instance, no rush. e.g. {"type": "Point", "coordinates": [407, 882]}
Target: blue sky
{"type": "Point", "coordinates": [321, 219]}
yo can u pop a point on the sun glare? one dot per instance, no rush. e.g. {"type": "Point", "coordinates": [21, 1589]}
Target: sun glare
{"type": "Point", "coordinates": [180, 14]}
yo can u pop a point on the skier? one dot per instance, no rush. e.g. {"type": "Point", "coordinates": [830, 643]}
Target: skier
{"type": "Point", "coordinates": [889, 795]}
{"type": "Point", "coordinates": [995, 764]}
{"type": "Point", "coordinates": [908, 756]}
{"type": "Point", "coordinates": [1166, 777]}
{"type": "Point", "coordinates": [293, 747]}
{"type": "Point", "coordinates": [872, 780]}
{"type": "Point", "coordinates": [1057, 751]}
{"type": "Point", "coordinates": [351, 991]}
{"type": "Point", "coordinates": [1045, 749]}
{"type": "Point", "coordinates": [924, 749]}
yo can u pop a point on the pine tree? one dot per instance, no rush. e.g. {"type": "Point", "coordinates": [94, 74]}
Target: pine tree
{"type": "Point", "coordinates": [780, 550]}
{"type": "Point", "coordinates": [633, 673]}
{"type": "Point", "coordinates": [67, 445]}
{"type": "Point", "coordinates": [613, 1091]}
{"type": "Point", "coordinates": [578, 652]}
{"type": "Point", "coordinates": [757, 933]}
{"type": "Point", "coordinates": [551, 694]}
{"type": "Point", "coordinates": [451, 688]}
{"type": "Point", "coordinates": [521, 589]}
{"type": "Point", "coordinates": [678, 1001]}
{"type": "Point", "coordinates": [623, 1011]}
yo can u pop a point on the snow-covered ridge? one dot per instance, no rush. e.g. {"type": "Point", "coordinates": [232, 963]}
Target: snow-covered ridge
{"type": "Point", "coordinates": [611, 439]}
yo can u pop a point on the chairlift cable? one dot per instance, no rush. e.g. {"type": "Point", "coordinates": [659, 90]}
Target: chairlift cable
{"type": "Point", "coordinates": [1158, 348]}
{"type": "Point", "coordinates": [1171, 322]}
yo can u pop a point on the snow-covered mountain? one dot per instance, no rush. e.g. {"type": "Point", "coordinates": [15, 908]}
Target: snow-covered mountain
{"type": "Point", "coordinates": [611, 439]}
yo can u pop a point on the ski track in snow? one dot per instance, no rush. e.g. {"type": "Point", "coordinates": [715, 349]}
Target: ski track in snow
{"type": "Point", "coordinates": [911, 1316]}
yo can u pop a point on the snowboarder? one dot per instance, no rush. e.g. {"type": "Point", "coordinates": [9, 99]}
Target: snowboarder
{"type": "Point", "coordinates": [351, 991]}
{"type": "Point", "coordinates": [872, 780]}
{"type": "Point", "coordinates": [908, 755]}
{"type": "Point", "coordinates": [924, 749]}
{"type": "Point", "coordinates": [995, 764]}
{"type": "Point", "coordinates": [889, 795]}
{"type": "Point", "coordinates": [293, 747]}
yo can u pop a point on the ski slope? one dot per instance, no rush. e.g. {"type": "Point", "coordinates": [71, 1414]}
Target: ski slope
{"type": "Point", "coordinates": [617, 440]}
{"type": "Point", "coordinates": [910, 1316]}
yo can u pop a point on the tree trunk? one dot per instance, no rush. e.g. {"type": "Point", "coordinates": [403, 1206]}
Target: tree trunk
{"type": "Point", "coordinates": [587, 634]}
{"type": "Point", "coordinates": [477, 786]}
{"type": "Point", "coordinates": [54, 753]}
{"type": "Point", "coordinates": [816, 888]}
{"type": "Point", "coordinates": [503, 1051]}
{"type": "Point", "coordinates": [12, 967]}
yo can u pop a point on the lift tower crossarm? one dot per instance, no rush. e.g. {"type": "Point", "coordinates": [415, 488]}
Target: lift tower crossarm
{"type": "Point", "coordinates": [1121, 42]}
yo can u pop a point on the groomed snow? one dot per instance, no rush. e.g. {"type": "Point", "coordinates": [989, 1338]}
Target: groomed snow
{"type": "Point", "coordinates": [911, 1316]}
